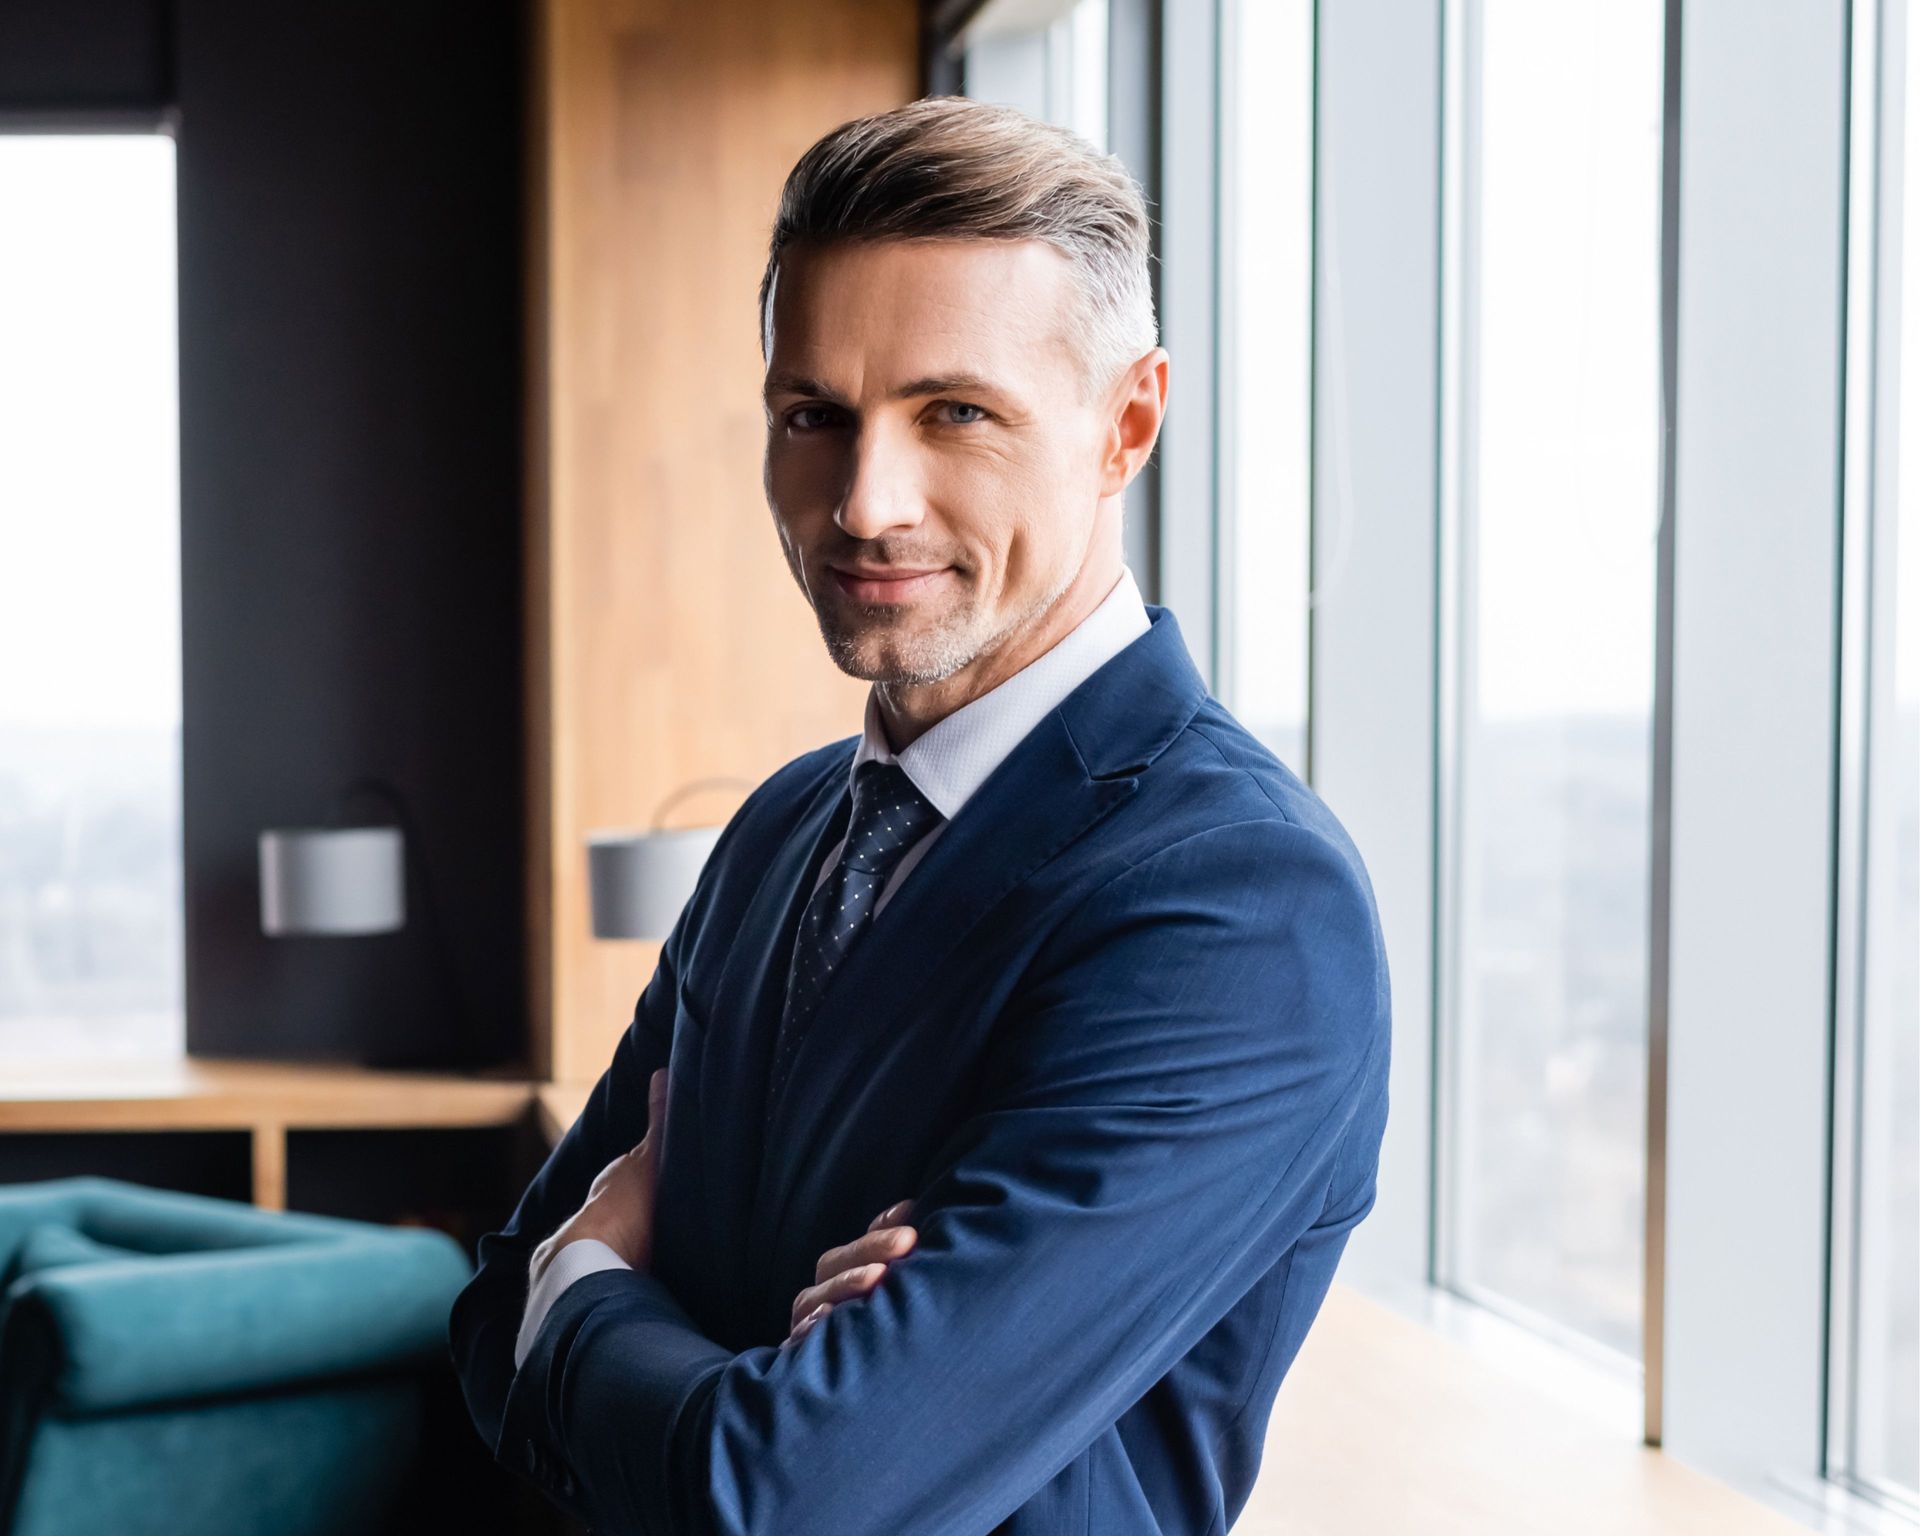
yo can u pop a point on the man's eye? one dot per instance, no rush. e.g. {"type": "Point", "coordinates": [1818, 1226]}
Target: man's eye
{"type": "Point", "coordinates": [961, 405]}
{"type": "Point", "coordinates": [796, 415]}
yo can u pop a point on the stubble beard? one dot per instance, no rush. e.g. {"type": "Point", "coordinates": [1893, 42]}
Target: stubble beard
{"type": "Point", "coordinates": [911, 660]}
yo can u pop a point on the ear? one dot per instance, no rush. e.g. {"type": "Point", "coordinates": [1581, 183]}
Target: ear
{"type": "Point", "coordinates": [1135, 406]}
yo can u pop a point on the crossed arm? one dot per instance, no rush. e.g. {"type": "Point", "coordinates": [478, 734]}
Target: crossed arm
{"type": "Point", "coordinates": [1159, 1120]}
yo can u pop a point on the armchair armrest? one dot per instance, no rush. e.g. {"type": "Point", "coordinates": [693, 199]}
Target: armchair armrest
{"type": "Point", "coordinates": [155, 1327]}
{"type": "Point", "coordinates": [155, 1220]}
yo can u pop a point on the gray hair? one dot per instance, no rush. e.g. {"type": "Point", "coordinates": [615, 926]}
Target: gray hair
{"type": "Point", "coordinates": [951, 168]}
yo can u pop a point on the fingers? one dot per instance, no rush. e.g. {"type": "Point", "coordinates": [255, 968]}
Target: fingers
{"type": "Point", "coordinates": [805, 1325]}
{"type": "Point", "coordinates": [886, 1243]}
{"type": "Point", "coordinates": [891, 1216]}
{"type": "Point", "coordinates": [843, 1286]}
{"type": "Point", "coordinates": [852, 1269]}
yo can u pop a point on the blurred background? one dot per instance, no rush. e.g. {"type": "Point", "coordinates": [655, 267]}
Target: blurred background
{"type": "Point", "coordinates": [380, 447]}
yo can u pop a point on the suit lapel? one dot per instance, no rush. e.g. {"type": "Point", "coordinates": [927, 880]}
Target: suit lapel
{"type": "Point", "coordinates": [746, 1006]}
{"type": "Point", "coordinates": [1067, 774]}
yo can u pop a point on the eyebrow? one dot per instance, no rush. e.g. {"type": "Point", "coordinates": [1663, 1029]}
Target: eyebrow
{"type": "Point", "coordinates": [932, 384]}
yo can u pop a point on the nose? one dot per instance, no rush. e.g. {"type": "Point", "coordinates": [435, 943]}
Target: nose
{"type": "Point", "coordinates": [883, 484]}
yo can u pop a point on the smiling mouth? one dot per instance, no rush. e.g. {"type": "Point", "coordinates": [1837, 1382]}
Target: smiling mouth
{"type": "Point", "coordinates": [885, 589]}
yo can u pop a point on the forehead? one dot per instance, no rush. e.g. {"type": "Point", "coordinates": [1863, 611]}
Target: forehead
{"type": "Point", "coordinates": [865, 312]}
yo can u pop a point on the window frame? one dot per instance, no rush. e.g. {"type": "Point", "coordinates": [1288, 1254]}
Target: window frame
{"type": "Point", "coordinates": [1757, 443]}
{"type": "Point", "coordinates": [1458, 519]}
{"type": "Point", "coordinates": [1878, 113]}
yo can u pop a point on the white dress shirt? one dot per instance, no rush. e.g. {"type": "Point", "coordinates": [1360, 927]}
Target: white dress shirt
{"type": "Point", "coordinates": [947, 762]}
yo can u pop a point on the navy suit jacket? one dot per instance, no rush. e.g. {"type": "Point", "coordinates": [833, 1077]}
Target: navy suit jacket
{"type": "Point", "coordinates": [1121, 1036]}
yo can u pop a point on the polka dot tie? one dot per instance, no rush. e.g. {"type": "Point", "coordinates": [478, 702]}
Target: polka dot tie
{"type": "Point", "coordinates": [889, 817]}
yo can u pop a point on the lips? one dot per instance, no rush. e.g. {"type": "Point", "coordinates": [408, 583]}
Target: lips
{"type": "Point", "coordinates": [885, 586]}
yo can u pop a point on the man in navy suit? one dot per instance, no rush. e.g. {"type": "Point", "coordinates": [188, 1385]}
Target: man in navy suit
{"type": "Point", "coordinates": [987, 1137]}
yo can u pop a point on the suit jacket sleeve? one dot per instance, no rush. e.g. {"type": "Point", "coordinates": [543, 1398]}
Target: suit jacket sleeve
{"type": "Point", "coordinates": [570, 1261]}
{"type": "Point", "coordinates": [487, 1314]}
{"type": "Point", "coordinates": [1158, 1119]}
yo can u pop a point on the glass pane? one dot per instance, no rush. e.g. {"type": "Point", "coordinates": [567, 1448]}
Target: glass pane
{"type": "Point", "coordinates": [1266, 363]}
{"type": "Point", "coordinates": [1559, 505]}
{"type": "Point", "coordinates": [1085, 48]}
{"type": "Point", "coordinates": [90, 895]}
{"type": "Point", "coordinates": [1056, 71]}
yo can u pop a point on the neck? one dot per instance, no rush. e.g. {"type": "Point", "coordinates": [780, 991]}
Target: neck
{"type": "Point", "coordinates": [908, 711]}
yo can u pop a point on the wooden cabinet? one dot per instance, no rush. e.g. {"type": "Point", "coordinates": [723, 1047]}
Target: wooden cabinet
{"type": "Point", "coordinates": [263, 1101]}
{"type": "Point", "coordinates": [667, 640]}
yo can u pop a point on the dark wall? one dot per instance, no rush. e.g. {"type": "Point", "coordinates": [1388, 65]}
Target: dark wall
{"type": "Point", "coordinates": [350, 470]}
{"type": "Point", "coordinates": [350, 336]}
{"type": "Point", "coordinates": [85, 55]}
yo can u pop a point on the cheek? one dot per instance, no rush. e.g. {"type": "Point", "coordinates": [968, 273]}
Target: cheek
{"type": "Point", "coordinates": [1000, 482]}
{"type": "Point", "coordinates": [984, 498]}
{"type": "Point", "coordinates": [1048, 519]}
{"type": "Point", "coordinates": [1015, 505]}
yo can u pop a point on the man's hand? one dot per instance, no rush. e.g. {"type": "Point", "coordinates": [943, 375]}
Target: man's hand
{"type": "Point", "coordinates": [852, 1269]}
{"type": "Point", "coordinates": [619, 1205]}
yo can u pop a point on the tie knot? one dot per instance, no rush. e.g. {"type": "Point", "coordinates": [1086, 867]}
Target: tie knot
{"type": "Point", "coordinates": [889, 817]}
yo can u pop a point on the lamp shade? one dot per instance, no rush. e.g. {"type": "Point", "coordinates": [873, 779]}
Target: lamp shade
{"type": "Point", "coordinates": [332, 880]}
{"type": "Point", "coordinates": [639, 881]}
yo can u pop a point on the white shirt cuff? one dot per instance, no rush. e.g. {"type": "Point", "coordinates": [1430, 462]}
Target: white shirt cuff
{"type": "Point", "coordinates": [572, 1261]}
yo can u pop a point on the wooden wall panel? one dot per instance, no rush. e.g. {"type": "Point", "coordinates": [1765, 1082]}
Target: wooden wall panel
{"type": "Point", "coordinates": [668, 640]}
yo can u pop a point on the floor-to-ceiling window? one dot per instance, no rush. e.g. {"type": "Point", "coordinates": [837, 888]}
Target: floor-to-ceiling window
{"type": "Point", "coordinates": [1266, 369]}
{"type": "Point", "coordinates": [91, 951]}
{"type": "Point", "coordinates": [1551, 498]}
{"type": "Point", "coordinates": [1054, 67]}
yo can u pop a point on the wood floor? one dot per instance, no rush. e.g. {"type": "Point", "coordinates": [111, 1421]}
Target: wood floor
{"type": "Point", "coordinates": [1384, 1427]}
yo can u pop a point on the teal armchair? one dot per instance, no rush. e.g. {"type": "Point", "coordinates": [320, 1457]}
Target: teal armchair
{"type": "Point", "coordinates": [172, 1363]}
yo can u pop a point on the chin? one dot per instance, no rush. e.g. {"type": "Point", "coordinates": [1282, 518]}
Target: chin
{"type": "Point", "coordinates": [883, 651]}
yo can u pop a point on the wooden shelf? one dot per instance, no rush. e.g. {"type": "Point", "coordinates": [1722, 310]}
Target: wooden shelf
{"type": "Point", "coordinates": [560, 1105]}
{"type": "Point", "coordinates": [264, 1098]}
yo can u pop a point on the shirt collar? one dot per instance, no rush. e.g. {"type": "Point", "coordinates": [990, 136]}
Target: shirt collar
{"type": "Point", "coordinates": [952, 758]}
